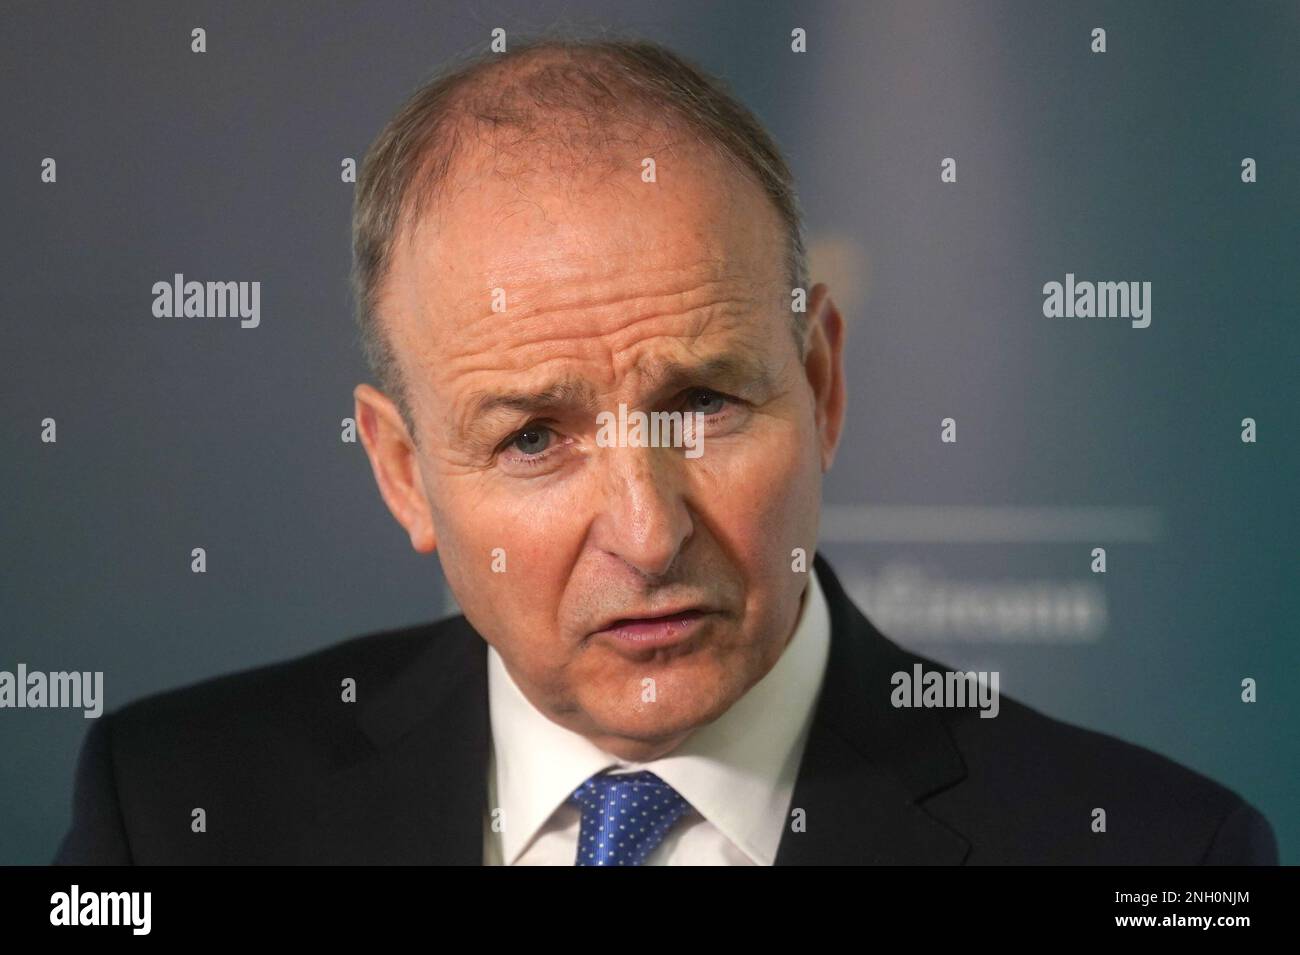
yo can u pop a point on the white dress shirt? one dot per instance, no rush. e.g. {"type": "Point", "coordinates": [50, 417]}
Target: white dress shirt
{"type": "Point", "coordinates": [737, 772]}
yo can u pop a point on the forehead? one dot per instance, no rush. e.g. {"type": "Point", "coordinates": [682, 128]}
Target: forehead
{"type": "Point", "coordinates": [579, 256]}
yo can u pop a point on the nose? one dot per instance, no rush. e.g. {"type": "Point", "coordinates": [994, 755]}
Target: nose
{"type": "Point", "coordinates": [642, 518]}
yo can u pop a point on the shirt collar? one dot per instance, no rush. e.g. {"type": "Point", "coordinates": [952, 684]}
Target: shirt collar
{"type": "Point", "coordinates": [738, 771]}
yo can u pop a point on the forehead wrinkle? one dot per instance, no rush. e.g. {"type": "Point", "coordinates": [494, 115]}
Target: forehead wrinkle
{"type": "Point", "coordinates": [537, 287]}
{"type": "Point", "coordinates": [697, 317]}
{"type": "Point", "coordinates": [573, 393]}
{"type": "Point", "coordinates": [548, 348]}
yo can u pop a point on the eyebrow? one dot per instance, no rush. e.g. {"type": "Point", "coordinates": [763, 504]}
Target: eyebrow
{"type": "Point", "coordinates": [732, 370]}
{"type": "Point", "coordinates": [570, 394]}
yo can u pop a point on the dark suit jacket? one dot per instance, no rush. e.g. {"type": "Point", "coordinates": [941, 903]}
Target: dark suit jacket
{"type": "Point", "coordinates": [288, 773]}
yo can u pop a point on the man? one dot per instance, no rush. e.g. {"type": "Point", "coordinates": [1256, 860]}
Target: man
{"type": "Point", "coordinates": [649, 668]}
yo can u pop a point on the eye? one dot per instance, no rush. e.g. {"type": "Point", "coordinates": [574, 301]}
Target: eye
{"type": "Point", "coordinates": [706, 402]}
{"type": "Point", "coordinates": [532, 440]}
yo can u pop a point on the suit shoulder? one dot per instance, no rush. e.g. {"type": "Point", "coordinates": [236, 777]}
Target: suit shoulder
{"type": "Point", "coordinates": [1050, 777]}
{"type": "Point", "coordinates": [285, 689]}
{"type": "Point", "coordinates": [1071, 751]}
{"type": "Point", "coordinates": [252, 749]}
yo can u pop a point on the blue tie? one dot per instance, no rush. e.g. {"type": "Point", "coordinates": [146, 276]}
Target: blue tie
{"type": "Point", "coordinates": [624, 817]}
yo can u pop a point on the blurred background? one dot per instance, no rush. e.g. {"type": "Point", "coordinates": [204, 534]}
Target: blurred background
{"type": "Point", "coordinates": [1072, 433]}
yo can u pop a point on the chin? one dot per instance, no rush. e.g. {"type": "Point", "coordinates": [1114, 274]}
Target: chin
{"type": "Point", "coordinates": [664, 719]}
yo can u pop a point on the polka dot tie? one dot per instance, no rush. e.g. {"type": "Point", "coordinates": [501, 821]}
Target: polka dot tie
{"type": "Point", "coordinates": [624, 817]}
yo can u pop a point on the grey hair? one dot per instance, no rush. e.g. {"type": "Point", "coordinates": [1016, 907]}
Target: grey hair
{"type": "Point", "coordinates": [592, 78]}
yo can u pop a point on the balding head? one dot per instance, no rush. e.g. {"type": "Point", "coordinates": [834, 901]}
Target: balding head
{"type": "Point", "coordinates": [567, 109]}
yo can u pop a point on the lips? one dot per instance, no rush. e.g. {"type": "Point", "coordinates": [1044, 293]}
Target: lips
{"type": "Point", "coordinates": [655, 631]}
{"type": "Point", "coordinates": [651, 619]}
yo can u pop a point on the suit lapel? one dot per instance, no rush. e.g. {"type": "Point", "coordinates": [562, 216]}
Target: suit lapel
{"type": "Point", "coordinates": [413, 791]}
{"type": "Point", "coordinates": [867, 764]}
{"type": "Point", "coordinates": [412, 787]}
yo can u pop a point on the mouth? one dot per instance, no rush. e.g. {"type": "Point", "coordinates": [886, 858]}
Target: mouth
{"type": "Point", "coordinates": [656, 631]}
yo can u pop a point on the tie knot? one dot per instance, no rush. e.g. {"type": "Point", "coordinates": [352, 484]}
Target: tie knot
{"type": "Point", "coordinates": [625, 816]}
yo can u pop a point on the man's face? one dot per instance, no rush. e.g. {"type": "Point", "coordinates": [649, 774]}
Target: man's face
{"type": "Point", "coordinates": [664, 296]}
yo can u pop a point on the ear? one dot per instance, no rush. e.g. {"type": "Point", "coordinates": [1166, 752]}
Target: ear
{"type": "Point", "coordinates": [393, 460]}
{"type": "Point", "coordinates": [824, 366]}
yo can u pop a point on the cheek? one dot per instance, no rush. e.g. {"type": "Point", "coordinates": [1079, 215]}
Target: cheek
{"type": "Point", "coordinates": [762, 497]}
{"type": "Point", "coordinates": [508, 561]}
